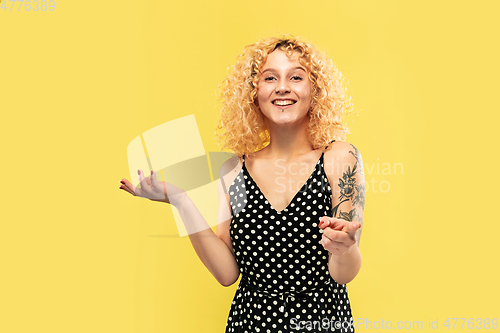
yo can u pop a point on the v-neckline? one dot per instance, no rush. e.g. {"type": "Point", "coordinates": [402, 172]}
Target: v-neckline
{"type": "Point", "coordinates": [297, 193]}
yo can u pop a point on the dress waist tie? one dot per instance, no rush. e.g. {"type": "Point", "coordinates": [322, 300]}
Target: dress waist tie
{"type": "Point", "coordinates": [285, 296]}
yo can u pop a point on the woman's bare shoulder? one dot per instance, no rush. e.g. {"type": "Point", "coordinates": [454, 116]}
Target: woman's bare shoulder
{"type": "Point", "coordinates": [337, 148]}
{"type": "Point", "coordinates": [229, 170]}
{"type": "Point", "coordinates": [342, 153]}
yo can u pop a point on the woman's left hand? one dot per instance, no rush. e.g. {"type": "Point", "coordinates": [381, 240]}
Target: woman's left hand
{"type": "Point", "coordinates": [338, 235]}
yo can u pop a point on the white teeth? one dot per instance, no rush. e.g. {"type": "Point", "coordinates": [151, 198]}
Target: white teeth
{"type": "Point", "coordinates": [282, 103]}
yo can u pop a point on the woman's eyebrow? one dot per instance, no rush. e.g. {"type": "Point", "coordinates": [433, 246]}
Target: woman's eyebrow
{"type": "Point", "coordinates": [291, 69]}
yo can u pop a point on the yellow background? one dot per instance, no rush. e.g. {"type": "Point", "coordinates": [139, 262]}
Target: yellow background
{"type": "Point", "coordinates": [79, 83]}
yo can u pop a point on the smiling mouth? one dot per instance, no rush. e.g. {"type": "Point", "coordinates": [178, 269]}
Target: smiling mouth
{"type": "Point", "coordinates": [285, 102]}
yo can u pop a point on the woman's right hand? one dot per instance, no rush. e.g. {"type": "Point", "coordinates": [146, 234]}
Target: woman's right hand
{"type": "Point", "coordinates": [153, 189]}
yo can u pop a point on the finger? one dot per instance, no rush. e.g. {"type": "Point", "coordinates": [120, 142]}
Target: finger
{"type": "Point", "coordinates": [352, 228]}
{"type": "Point", "coordinates": [143, 181]}
{"type": "Point", "coordinates": [147, 180]}
{"type": "Point", "coordinates": [154, 181]}
{"type": "Point", "coordinates": [135, 191]}
{"type": "Point", "coordinates": [338, 224]}
{"type": "Point", "coordinates": [324, 242]}
{"type": "Point", "coordinates": [343, 239]}
{"type": "Point", "coordinates": [329, 234]}
{"type": "Point", "coordinates": [333, 247]}
{"type": "Point", "coordinates": [338, 236]}
{"type": "Point", "coordinates": [324, 222]}
{"type": "Point", "coordinates": [123, 187]}
{"type": "Point", "coordinates": [157, 186]}
{"type": "Point", "coordinates": [332, 222]}
{"type": "Point", "coordinates": [337, 220]}
{"type": "Point", "coordinates": [127, 186]}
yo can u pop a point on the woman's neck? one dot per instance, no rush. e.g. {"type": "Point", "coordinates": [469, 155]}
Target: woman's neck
{"type": "Point", "coordinates": [288, 141]}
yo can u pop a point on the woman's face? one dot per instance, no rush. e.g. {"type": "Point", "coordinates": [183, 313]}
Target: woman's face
{"type": "Point", "coordinates": [284, 90]}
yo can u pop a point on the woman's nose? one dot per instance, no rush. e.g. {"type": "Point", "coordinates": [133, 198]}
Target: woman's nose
{"type": "Point", "coordinates": [282, 87]}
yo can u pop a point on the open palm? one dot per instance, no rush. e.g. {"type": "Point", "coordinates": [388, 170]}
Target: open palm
{"type": "Point", "coordinates": [153, 189]}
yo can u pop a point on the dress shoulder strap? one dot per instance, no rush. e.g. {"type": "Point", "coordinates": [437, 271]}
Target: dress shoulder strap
{"type": "Point", "coordinates": [328, 146]}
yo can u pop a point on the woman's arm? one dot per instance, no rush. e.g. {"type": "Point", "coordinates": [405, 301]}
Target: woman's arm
{"type": "Point", "coordinates": [344, 168]}
{"type": "Point", "coordinates": [215, 251]}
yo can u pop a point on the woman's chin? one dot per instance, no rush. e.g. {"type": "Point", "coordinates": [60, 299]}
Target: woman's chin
{"type": "Point", "coordinates": [285, 119]}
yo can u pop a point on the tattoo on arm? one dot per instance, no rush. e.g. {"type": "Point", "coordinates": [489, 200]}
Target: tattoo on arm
{"type": "Point", "coordinates": [350, 190]}
{"type": "Point", "coordinates": [347, 216]}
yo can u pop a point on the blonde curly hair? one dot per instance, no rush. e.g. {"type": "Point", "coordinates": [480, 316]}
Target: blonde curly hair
{"type": "Point", "coordinates": [243, 128]}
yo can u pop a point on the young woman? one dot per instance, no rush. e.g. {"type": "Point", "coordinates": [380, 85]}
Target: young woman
{"type": "Point", "coordinates": [290, 220]}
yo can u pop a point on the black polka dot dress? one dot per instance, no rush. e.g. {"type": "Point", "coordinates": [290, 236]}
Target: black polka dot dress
{"type": "Point", "coordinates": [285, 284]}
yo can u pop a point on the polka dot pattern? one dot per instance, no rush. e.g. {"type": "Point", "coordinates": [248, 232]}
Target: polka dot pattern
{"type": "Point", "coordinates": [285, 278]}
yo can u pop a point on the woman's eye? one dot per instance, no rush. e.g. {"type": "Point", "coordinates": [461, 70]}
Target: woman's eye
{"type": "Point", "coordinates": [296, 77]}
{"type": "Point", "coordinates": [269, 78]}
